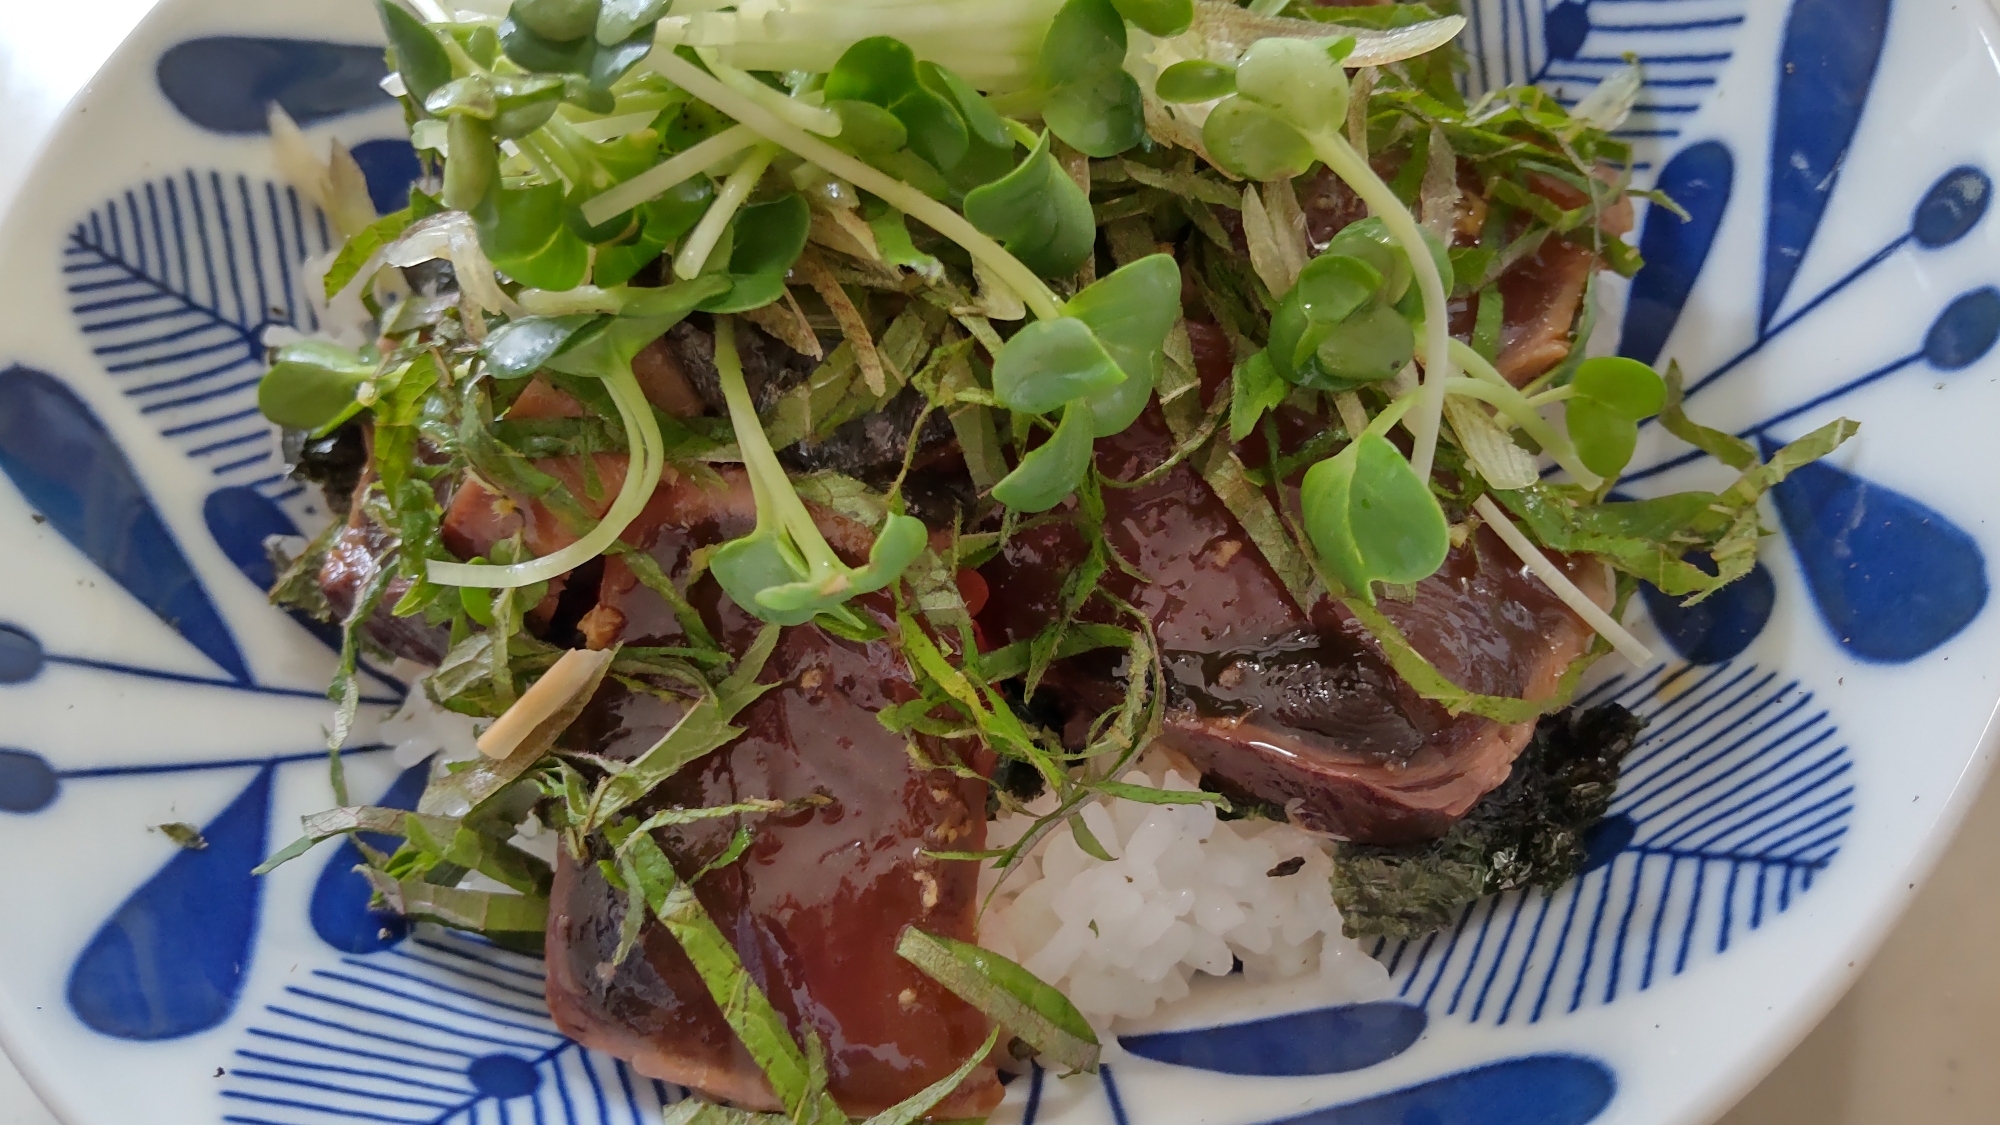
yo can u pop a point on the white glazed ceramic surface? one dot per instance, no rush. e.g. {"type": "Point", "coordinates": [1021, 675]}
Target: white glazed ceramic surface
{"type": "Point", "coordinates": [1796, 782]}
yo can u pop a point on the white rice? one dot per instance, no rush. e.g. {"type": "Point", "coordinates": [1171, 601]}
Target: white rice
{"type": "Point", "coordinates": [1183, 893]}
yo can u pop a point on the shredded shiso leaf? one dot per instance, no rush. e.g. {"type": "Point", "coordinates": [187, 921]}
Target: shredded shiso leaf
{"type": "Point", "coordinates": [1009, 995]}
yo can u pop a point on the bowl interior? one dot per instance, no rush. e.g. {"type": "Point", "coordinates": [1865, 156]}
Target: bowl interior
{"type": "Point", "coordinates": [1812, 737]}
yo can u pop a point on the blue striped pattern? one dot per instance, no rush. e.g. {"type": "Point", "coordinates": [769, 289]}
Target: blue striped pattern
{"type": "Point", "coordinates": [1569, 47]}
{"type": "Point", "coordinates": [1734, 802]}
{"type": "Point", "coordinates": [444, 1029]}
{"type": "Point", "coordinates": [173, 284]}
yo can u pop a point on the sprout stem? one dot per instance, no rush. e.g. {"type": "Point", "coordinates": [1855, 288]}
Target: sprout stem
{"type": "Point", "coordinates": [892, 191]}
{"type": "Point", "coordinates": [1580, 603]}
{"type": "Point", "coordinates": [1341, 158]}
{"type": "Point", "coordinates": [812, 119]}
{"type": "Point", "coordinates": [1488, 385]}
{"type": "Point", "coordinates": [662, 178]}
{"type": "Point", "coordinates": [776, 499]}
{"type": "Point", "coordinates": [700, 244]}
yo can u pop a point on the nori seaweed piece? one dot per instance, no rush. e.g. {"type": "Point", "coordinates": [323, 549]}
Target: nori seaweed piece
{"type": "Point", "coordinates": [1528, 832]}
{"type": "Point", "coordinates": [334, 463]}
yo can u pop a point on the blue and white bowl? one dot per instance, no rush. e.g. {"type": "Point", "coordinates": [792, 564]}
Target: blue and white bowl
{"type": "Point", "coordinates": [1815, 738]}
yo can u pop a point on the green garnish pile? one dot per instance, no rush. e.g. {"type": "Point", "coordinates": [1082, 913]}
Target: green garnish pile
{"type": "Point", "coordinates": [1001, 207]}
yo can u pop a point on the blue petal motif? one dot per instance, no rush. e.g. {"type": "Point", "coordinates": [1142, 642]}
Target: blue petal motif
{"type": "Point", "coordinates": [172, 960]}
{"type": "Point", "coordinates": [241, 519]}
{"type": "Point", "coordinates": [340, 914]}
{"type": "Point", "coordinates": [390, 166]}
{"type": "Point", "coordinates": [1893, 578]}
{"type": "Point", "coordinates": [503, 1076]}
{"type": "Point", "coordinates": [1965, 331]}
{"type": "Point", "coordinates": [1606, 840]}
{"type": "Point", "coordinates": [73, 473]}
{"type": "Point", "coordinates": [1826, 67]}
{"type": "Point", "coordinates": [1699, 179]}
{"type": "Point", "coordinates": [1952, 207]}
{"type": "Point", "coordinates": [1534, 1090]}
{"type": "Point", "coordinates": [1719, 628]}
{"type": "Point", "coordinates": [27, 783]}
{"type": "Point", "coordinates": [1565, 28]}
{"type": "Point", "coordinates": [226, 83]}
{"type": "Point", "coordinates": [21, 656]}
{"type": "Point", "coordinates": [1321, 1041]}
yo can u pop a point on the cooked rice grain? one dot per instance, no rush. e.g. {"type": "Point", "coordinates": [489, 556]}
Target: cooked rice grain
{"type": "Point", "coordinates": [1183, 893]}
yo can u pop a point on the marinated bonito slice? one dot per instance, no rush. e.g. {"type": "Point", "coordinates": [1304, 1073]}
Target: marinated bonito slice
{"type": "Point", "coordinates": [815, 906]}
{"type": "Point", "coordinates": [1292, 707]}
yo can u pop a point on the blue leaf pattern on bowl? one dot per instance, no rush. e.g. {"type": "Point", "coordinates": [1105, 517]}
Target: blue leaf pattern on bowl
{"type": "Point", "coordinates": [1825, 69]}
{"type": "Point", "coordinates": [442, 1028]}
{"type": "Point", "coordinates": [1963, 333]}
{"type": "Point", "coordinates": [174, 284]}
{"type": "Point", "coordinates": [1892, 578]}
{"type": "Point", "coordinates": [1535, 1090]}
{"type": "Point", "coordinates": [390, 166]}
{"type": "Point", "coordinates": [171, 961]}
{"type": "Point", "coordinates": [28, 783]}
{"type": "Point", "coordinates": [21, 656]}
{"type": "Point", "coordinates": [1720, 628]}
{"type": "Point", "coordinates": [1570, 47]}
{"type": "Point", "coordinates": [1736, 802]}
{"type": "Point", "coordinates": [1319, 1041]}
{"type": "Point", "coordinates": [66, 465]}
{"type": "Point", "coordinates": [241, 519]}
{"type": "Point", "coordinates": [1529, 1090]}
{"type": "Point", "coordinates": [226, 83]}
{"type": "Point", "coordinates": [1699, 178]}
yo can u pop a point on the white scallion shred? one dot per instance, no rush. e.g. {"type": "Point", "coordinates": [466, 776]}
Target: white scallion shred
{"type": "Point", "coordinates": [796, 111]}
{"type": "Point", "coordinates": [612, 128]}
{"type": "Point", "coordinates": [453, 236]}
{"type": "Point", "coordinates": [896, 193]}
{"type": "Point", "coordinates": [990, 44]}
{"type": "Point", "coordinates": [1438, 198]}
{"type": "Point", "coordinates": [1607, 106]}
{"type": "Point", "coordinates": [335, 185]}
{"type": "Point", "coordinates": [1503, 463]}
{"type": "Point", "coordinates": [558, 686]}
{"type": "Point", "coordinates": [1234, 29]}
{"type": "Point", "coordinates": [1277, 252]}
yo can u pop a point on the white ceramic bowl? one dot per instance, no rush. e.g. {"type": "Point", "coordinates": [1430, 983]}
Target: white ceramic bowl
{"type": "Point", "coordinates": [1813, 741]}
